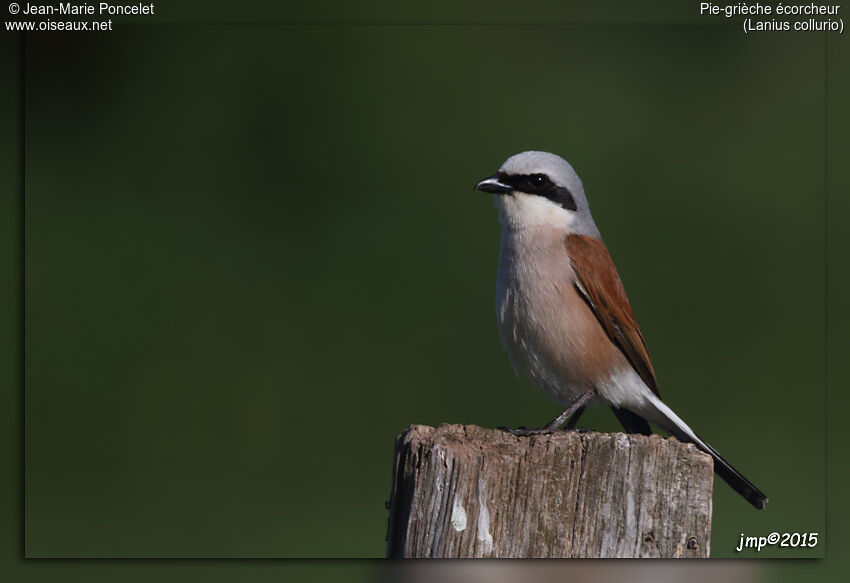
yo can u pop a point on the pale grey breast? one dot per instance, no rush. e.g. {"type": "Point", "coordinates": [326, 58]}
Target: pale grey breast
{"type": "Point", "coordinates": [548, 331]}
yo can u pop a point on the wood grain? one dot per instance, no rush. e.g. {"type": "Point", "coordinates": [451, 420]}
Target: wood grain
{"type": "Point", "coordinates": [466, 491]}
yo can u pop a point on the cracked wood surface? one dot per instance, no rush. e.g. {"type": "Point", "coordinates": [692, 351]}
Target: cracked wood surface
{"type": "Point", "coordinates": [466, 491]}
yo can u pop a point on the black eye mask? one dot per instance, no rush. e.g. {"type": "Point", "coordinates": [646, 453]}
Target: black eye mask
{"type": "Point", "coordinates": [540, 185]}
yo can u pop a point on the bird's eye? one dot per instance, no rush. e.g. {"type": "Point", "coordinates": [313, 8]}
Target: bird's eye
{"type": "Point", "coordinates": [538, 180]}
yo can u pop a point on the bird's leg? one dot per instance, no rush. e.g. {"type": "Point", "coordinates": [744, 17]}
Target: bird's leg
{"type": "Point", "coordinates": [571, 424]}
{"type": "Point", "coordinates": [556, 423]}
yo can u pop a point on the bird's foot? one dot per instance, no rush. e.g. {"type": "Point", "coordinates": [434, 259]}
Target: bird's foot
{"type": "Point", "coordinates": [526, 431]}
{"type": "Point", "coordinates": [546, 430]}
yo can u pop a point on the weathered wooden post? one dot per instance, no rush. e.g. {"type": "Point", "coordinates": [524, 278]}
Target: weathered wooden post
{"type": "Point", "coordinates": [465, 491]}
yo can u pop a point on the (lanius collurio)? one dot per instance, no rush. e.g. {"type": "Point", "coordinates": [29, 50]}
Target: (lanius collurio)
{"type": "Point", "coordinates": [563, 314]}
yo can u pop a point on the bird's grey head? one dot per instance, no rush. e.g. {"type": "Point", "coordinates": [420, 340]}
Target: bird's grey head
{"type": "Point", "coordinates": [539, 188]}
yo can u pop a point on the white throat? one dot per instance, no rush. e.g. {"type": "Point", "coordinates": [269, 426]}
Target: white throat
{"type": "Point", "coordinates": [521, 211]}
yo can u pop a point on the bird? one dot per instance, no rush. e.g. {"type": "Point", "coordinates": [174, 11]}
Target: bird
{"type": "Point", "coordinates": [563, 314]}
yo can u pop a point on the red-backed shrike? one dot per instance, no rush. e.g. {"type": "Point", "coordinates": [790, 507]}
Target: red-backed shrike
{"type": "Point", "coordinates": [563, 315]}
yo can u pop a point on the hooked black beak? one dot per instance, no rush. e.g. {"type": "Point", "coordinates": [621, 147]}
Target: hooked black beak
{"type": "Point", "coordinates": [493, 185]}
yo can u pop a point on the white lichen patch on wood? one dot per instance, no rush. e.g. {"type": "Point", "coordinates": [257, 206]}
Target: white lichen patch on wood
{"type": "Point", "coordinates": [484, 536]}
{"type": "Point", "coordinates": [458, 516]}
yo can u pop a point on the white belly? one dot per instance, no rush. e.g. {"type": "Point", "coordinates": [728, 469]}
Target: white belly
{"type": "Point", "coordinates": [549, 331]}
{"type": "Point", "coordinates": [536, 327]}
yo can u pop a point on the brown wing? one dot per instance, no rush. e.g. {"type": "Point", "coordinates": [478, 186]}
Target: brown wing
{"type": "Point", "coordinates": [598, 282]}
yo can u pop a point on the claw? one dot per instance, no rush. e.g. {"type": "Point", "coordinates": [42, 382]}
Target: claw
{"type": "Point", "coordinates": [525, 431]}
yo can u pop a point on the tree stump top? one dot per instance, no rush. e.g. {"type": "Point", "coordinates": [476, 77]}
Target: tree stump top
{"type": "Point", "coordinates": [467, 491]}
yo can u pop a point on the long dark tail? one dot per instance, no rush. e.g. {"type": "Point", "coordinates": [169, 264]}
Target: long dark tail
{"type": "Point", "coordinates": [731, 476]}
{"type": "Point", "coordinates": [634, 423]}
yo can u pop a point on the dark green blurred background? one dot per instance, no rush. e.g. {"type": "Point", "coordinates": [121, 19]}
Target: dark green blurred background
{"type": "Point", "coordinates": [253, 257]}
